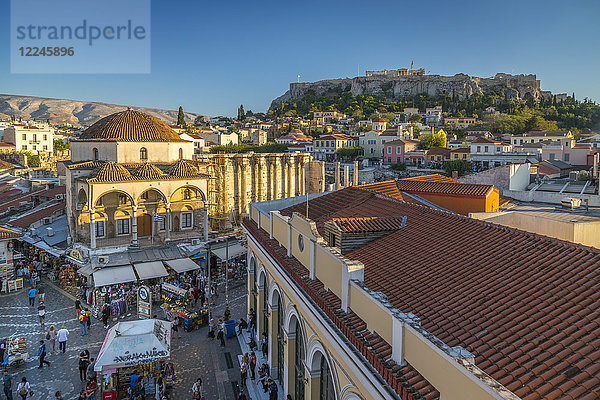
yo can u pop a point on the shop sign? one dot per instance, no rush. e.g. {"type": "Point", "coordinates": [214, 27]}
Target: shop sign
{"type": "Point", "coordinates": [174, 289]}
{"type": "Point", "coordinates": [11, 246]}
{"type": "Point", "coordinates": [144, 302]}
{"type": "Point", "coordinates": [76, 254]}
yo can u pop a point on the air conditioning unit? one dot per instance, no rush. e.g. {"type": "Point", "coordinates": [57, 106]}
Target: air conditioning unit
{"type": "Point", "coordinates": [196, 242]}
{"type": "Point", "coordinates": [47, 221]}
{"type": "Point", "coordinates": [49, 231]}
{"type": "Point", "coordinates": [59, 196]}
{"type": "Point", "coordinates": [79, 206]}
{"type": "Point", "coordinates": [103, 260]}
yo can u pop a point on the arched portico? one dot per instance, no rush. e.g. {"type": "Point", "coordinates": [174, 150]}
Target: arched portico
{"type": "Point", "coordinates": [322, 382]}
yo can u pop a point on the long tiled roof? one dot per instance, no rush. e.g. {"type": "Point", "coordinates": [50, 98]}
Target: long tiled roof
{"type": "Point", "coordinates": [432, 178]}
{"type": "Point", "coordinates": [130, 126]}
{"type": "Point", "coordinates": [26, 220]}
{"type": "Point", "coordinates": [445, 188]}
{"type": "Point", "coordinates": [368, 224]}
{"type": "Point", "coordinates": [404, 380]}
{"type": "Point", "coordinates": [527, 306]}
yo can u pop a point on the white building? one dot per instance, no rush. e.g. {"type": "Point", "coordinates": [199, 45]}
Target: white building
{"type": "Point", "coordinates": [220, 138]}
{"type": "Point", "coordinates": [564, 137]}
{"type": "Point", "coordinates": [433, 116]}
{"type": "Point", "coordinates": [198, 141]}
{"type": "Point", "coordinates": [490, 153]}
{"type": "Point", "coordinates": [29, 138]}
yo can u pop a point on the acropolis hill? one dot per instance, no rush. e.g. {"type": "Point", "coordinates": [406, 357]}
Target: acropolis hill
{"type": "Point", "coordinates": [514, 87]}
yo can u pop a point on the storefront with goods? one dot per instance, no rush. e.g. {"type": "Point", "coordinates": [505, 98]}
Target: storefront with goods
{"type": "Point", "coordinates": [135, 347]}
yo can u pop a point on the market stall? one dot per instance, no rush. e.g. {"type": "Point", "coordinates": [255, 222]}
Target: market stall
{"type": "Point", "coordinates": [175, 308]}
{"type": "Point", "coordinates": [16, 351]}
{"type": "Point", "coordinates": [142, 347]}
{"type": "Point", "coordinates": [181, 265]}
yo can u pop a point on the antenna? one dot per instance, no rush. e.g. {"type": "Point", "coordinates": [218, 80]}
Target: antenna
{"type": "Point", "coordinates": [298, 78]}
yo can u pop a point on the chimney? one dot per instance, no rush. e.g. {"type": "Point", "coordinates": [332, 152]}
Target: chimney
{"type": "Point", "coordinates": [355, 174]}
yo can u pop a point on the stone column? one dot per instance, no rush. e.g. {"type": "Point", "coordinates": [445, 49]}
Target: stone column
{"type": "Point", "coordinates": [291, 178]}
{"type": "Point", "coordinates": [205, 228]}
{"type": "Point", "coordinates": [168, 221]}
{"type": "Point", "coordinates": [313, 388]}
{"type": "Point", "coordinates": [134, 232]}
{"type": "Point", "coordinates": [242, 162]}
{"type": "Point", "coordinates": [355, 174]}
{"type": "Point", "coordinates": [93, 228]}
{"type": "Point", "coordinates": [273, 348]}
{"type": "Point", "coordinates": [337, 175]}
{"type": "Point", "coordinates": [260, 169]}
{"type": "Point", "coordinates": [346, 175]}
{"type": "Point", "coordinates": [289, 358]}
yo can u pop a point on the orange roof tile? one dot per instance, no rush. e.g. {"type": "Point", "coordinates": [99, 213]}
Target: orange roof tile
{"type": "Point", "coordinates": [26, 221]}
{"type": "Point", "coordinates": [368, 224]}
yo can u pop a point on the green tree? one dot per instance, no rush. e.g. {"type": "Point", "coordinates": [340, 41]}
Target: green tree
{"type": "Point", "coordinates": [60, 145]}
{"type": "Point", "coordinates": [350, 152]}
{"type": "Point", "coordinates": [241, 114]}
{"type": "Point", "coordinates": [415, 118]}
{"type": "Point", "coordinates": [461, 166]}
{"type": "Point", "coordinates": [399, 166]}
{"type": "Point", "coordinates": [180, 117]}
{"type": "Point", "coordinates": [434, 139]}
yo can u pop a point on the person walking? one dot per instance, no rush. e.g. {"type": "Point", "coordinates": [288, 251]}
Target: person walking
{"type": "Point", "coordinates": [160, 389]}
{"type": "Point", "coordinates": [83, 323]}
{"type": "Point", "coordinates": [197, 389]}
{"type": "Point", "coordinates": [8, 382]}
{"type": "Point", "coordinates": [32, 293]}
{"type": "Point", "coordinates": [105, 315]}
{"type": "Point", "coordinates": [90, 389]}
{"type": "Point", "coordinates": [77, 307]}
{"type": "Point", "coordinates": [221, 334]}
{"type": "Point", "coordinates": [62, 336]}
{"type": "Point", "coordinates": [51, 338]}
{"type": "Point", "coordinates": [264, 345]}
{"type": "Point", "coordinates": [42, 313]}
{"type": "Point", "coordinates": [244, 371]}
{"type": "Point", "coordinates": [24, 389]}
{"type": "Point", "coordinates": [272, 390]}
{"type": "Point", "coordinates": [83, 366]}
{"type": "Point", "coordinates": [41, 292]}
{"type": "Point", "coordinates": [42, 354]}
{"type": "Point", "coordinates": [88, 315]}
{"type": "Point", "coordinates": [58, 396]}
{"type": "Point", "coordinates": [133, 379]}
{"type": "Point", "coordinates": [90, 370]}
{"type": "Point", "coordinates": [252, 365]}
{"type": "Point", "coordinates": [2, 350]}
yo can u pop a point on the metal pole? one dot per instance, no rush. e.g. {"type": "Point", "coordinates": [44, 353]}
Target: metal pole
{"type": "Point", "coordinates": [208, 272]}
{"type": "Point", "coordinates": [226, 271]}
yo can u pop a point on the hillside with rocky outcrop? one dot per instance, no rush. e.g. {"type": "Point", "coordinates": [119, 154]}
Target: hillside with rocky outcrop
{"type": "Point", "coordinates": [512, 87]}
{"type": "Point", "coordinates": [77, 113]}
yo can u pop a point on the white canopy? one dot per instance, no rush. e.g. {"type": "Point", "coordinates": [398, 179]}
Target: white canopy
{"type": "Point", "coordinates": [134, 343]}
{"type": "Point", "coordinates": [114, 275]}
{"type": "Point", "coordinates": [182, 265]}
{"type": "Point", "coordinates": [149, 270]}
{"type": "Point", "coordinates": [234, 250]}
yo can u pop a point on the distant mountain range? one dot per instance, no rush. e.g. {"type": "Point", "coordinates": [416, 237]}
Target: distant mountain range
{"type": "Point", "coordinates": [78, 113]}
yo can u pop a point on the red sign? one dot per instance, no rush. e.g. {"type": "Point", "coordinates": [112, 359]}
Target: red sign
{"type": "Point", "coordinates": [11, 245]}
{"type": "Point", "coordinates": [110, 395]}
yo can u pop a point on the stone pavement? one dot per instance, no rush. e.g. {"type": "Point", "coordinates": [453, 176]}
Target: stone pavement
{"type": "Point", "coordinates": [193, 355]}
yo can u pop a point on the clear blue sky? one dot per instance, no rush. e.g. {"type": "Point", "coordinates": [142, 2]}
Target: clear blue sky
{"type": "Point", "coordinates": [211, 56]}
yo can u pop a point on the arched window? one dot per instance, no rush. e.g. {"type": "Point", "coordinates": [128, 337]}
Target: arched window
{"type": "Point", "coordinates": [327, 391]}
{"type": "Point", "coordinates": [299, 381]}
{"type": "Point", "coordinates": [95, 154]}
{"type": "Point", "coordinates": [181, 154]}
{"type": "Point", "coordinates": [143, 154]}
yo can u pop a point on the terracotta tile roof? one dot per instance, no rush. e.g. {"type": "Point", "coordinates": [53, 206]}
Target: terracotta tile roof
{"type": "Point", "coordinates": [26, 221]}
{"type": "Point", "coordinates": [183, 169]}
{"type": "Point", "coordinates": [461, 150]}
{"type": "Point", "coordinates": [18, 200]}
{"type": "Point", "coordinates": [9, 193]}
{"type": "Point", "coordinates": [130, 126]}
{"type": "Point", "coordinates": [84, 164]}
{"type": "Point", "coordinates": [404, 380]}
{"type": "Point", "coordinates": [2, 144]}
{"type": "Point", "coordinates": [527, 306]}
{"type": "Point", "coordinates": [388, 188]}
{"type": "Point", "coordinates": [147, 171]}
{"type": "Point", "coordinates": [8, 234]}
{"type": "Point", "coordinates": [368, 224]}
{"type": "Point", "coordinates": [401, 141]}
{"type": "Point", "coordinates": [482, 139]}
{"type": "Point", "coordinates": [432, 178]}
{"type": "Point", "coordinates": [4, 165]}
{"type": "Point", "coordinates": [110, 171]}
{"type": "Point", "coordinates": [442, 151]}
{"type": "Point", "coordinates": [445, 188]}
{"type": "Point", "coordinates": [54, 191]}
